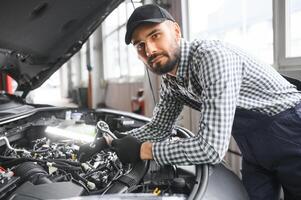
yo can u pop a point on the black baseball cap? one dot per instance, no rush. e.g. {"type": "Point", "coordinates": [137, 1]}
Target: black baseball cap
{"type": "Point", "coordinates": [149, 13]}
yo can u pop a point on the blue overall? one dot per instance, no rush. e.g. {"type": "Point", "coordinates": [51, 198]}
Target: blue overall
{"type": "Point", "coordinates": [271, 149]}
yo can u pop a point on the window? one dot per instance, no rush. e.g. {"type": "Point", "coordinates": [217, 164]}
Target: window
{"type": "Point", "coordinates": [120, 60]}
{"type": "Point", "coordinates": [244, 23]}
{"type": "Point", "coordinates": [83, 74]}
{"type": "Point", "coordinates": [293, 28]}
{"type": "Point", "coordinates": [288, 16]}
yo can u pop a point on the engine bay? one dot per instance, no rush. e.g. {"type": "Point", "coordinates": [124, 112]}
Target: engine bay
{"type": "Point", "coordinates": [39, 160]}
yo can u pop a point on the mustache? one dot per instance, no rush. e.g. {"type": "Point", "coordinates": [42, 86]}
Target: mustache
{"type": "Point", "coordinates": [153, 56]}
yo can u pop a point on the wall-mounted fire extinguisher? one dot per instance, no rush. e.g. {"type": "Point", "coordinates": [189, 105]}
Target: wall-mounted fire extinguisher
{"type": "Point", "coordinates": [137, 103]}
{"type": "Point", "coordinates": [6, 83]}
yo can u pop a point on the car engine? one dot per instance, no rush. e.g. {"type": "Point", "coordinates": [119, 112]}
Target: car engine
{"type": "Point", "coordinates": [38, 160]}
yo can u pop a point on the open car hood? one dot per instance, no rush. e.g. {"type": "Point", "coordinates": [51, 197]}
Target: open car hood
{"type": "Point", "coordinates": [38, 36]}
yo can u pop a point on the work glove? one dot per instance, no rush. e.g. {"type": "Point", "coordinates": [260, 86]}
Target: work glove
{"type": "Point", "coordinates": [119, 135]}
{"type": "Point", "coordinates": [127, 149]}
{"type": "Point", "coordinates": [86, 151]}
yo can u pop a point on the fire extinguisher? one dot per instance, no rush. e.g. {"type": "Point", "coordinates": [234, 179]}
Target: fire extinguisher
{"type": "Point", "coordinates": [6, 83]}
{"type": "Point", "coordinates": [137, 103]}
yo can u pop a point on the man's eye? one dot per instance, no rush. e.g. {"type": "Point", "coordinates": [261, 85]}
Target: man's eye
{"type": "Point", "coordinates": [140, 46]}
{"type": "Point", "coordinates": [156, 35]}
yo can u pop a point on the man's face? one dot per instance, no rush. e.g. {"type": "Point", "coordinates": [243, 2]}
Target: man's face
{"type": "Point", "coordinates": [158, 46]}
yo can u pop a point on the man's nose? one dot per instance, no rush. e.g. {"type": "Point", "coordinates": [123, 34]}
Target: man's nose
{"type": "Point", "coordinates": [150, 49]}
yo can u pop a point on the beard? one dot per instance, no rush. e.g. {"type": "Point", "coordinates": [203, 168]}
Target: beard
{"type": "Point", "coordinates": [168, 66]}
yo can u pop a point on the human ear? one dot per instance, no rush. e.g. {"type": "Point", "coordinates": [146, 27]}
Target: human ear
{"type": "Point", "coordinates": [177, 30]}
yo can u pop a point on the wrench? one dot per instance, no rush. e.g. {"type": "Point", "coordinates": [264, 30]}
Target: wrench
{"type": "Point", "coordinates": [103, 129]}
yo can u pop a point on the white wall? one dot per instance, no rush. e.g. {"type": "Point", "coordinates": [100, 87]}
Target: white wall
{"type": "Point", "coordinates": [119, 95]}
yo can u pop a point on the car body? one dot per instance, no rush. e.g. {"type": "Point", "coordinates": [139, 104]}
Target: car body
{"type": "Point", "coordinates": [39, 143]}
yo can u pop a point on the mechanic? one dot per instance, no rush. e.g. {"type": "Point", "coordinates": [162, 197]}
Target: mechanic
{"type": "Point", "coordinates": [234, 92]}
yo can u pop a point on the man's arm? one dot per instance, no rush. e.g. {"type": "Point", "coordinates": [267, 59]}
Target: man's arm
{"type": "Point", "coordinates": [164, 117]}
{"type": "Point", "coordinates": [220, 76]}
{"type": "Point", "coordinates": [131, 148]}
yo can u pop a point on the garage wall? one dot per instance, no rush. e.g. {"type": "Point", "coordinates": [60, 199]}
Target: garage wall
{"type": "Point", "coordinates": [119, 94]}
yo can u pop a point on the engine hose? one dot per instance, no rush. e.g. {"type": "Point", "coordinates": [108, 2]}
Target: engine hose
{"type": "Point", "coordinates": [39, 151]}
{"type": "Point", "coordinates": [130, 179]}
{"type": "Point", "coordinates": [80, 177]}
{"type": "Point", "coordinates": [87, 183]}
{"type": "Point", "coordinates": [15, 161]}
{"type": "Point", "coordinates": [11, 148]}
{"type": "Point", "coordinates": [6, 158]}
{"type": "Point", "coordinates": [94, 170]}
{"type": "Point", "coordinates": [74, 163]}
{"type": "Point", "coordinates": [29, 171]}
{"type": "Point", "coordinates": [61, 163]}
{"type": "Point", "coordinates": [64, 167]}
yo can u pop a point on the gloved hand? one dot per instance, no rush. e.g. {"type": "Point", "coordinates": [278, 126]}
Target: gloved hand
{"type": "Point", "coordinates": [127, 149]}
{"type": "Point", "coordinates": [119, 134]}
{"type": "Point", "coordinates": [86, 151]}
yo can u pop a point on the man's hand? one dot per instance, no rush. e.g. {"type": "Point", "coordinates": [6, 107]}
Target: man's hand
{"type": "Point", "coordinates": [127, 149]}
{"type": "Point", "coordinates": [86, 151]}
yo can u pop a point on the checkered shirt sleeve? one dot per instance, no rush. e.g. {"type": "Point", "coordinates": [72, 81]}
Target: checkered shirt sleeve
{"type": "Point", "coordinates": [220, 73]}
{"type": "Point", "coordinates": [163, 120]}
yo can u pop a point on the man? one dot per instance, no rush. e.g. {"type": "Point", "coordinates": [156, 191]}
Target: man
{"type": "Point", "coordinates": [234, 93]}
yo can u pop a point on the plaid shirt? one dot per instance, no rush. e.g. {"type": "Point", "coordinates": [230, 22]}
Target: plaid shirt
{"type": "Point", "coordinates": [214, 78]}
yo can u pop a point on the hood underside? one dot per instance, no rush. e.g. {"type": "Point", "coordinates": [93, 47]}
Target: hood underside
{"type": "Point", "coordinates": [38, 36]}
